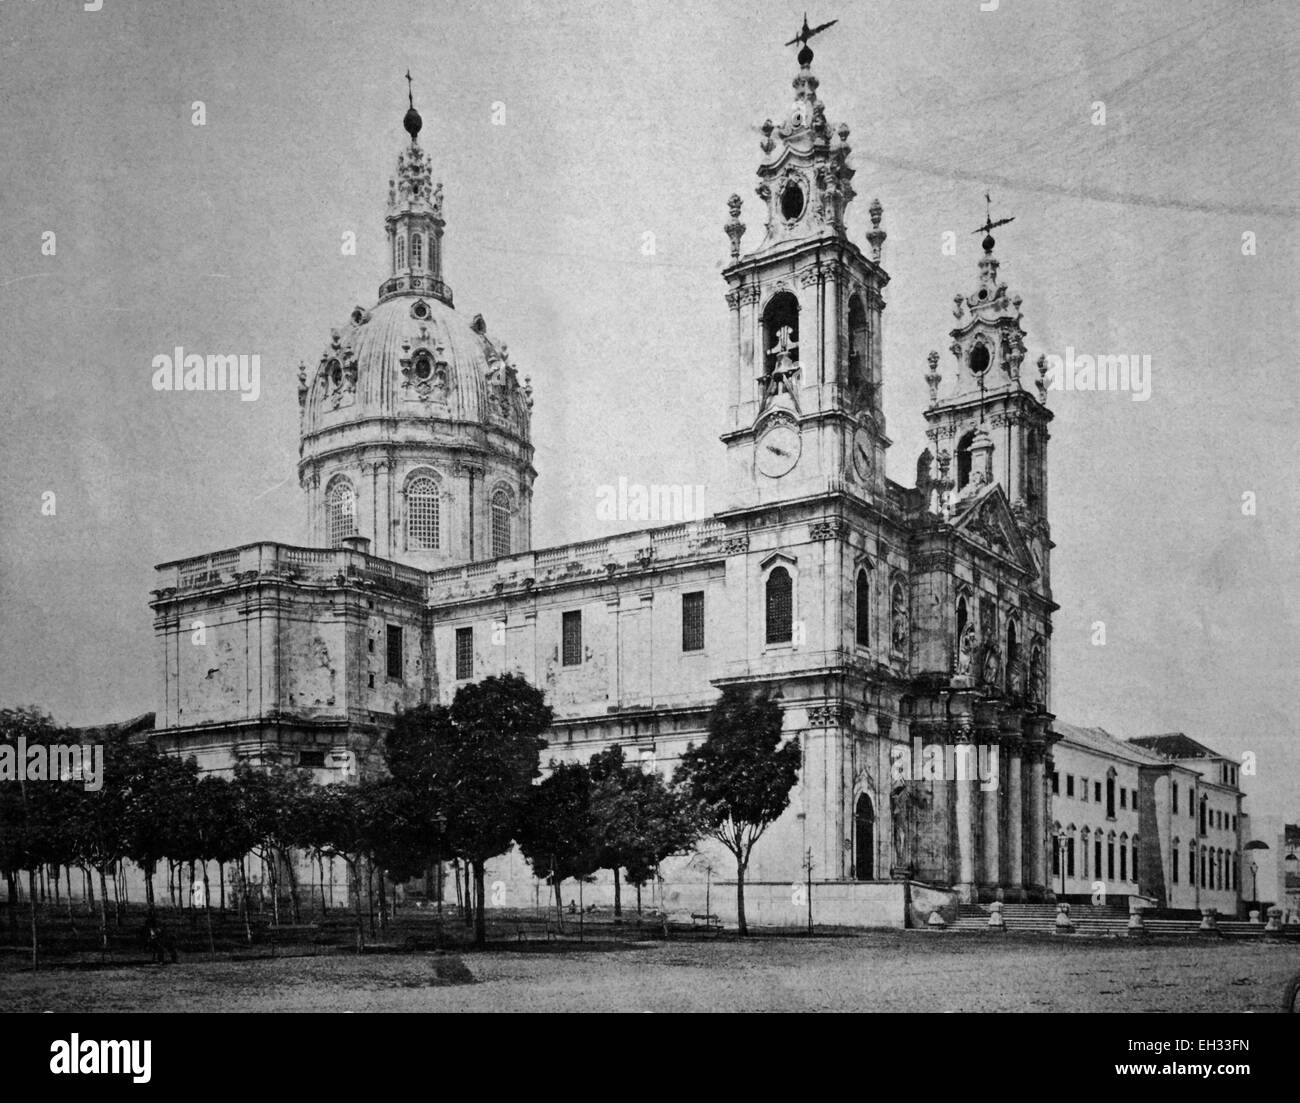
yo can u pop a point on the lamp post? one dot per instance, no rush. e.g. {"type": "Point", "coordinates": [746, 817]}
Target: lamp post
{"type": "Point", "coordinates": [1254, 883]}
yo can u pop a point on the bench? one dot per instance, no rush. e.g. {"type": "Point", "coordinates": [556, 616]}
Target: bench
{"type": "Point", "coordinates": [705, 921]}
{"type": "Point", "coordinates": [283, 934]}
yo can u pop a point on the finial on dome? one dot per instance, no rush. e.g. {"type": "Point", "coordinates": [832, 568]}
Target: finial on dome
{"type": "Point", "coordinates": [412, 121]}
{"type": "Point", "coordinates": [989, 224]}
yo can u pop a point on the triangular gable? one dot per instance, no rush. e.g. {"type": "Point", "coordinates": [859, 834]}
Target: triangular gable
{"type": "Point", "coordinates": [987, 520]}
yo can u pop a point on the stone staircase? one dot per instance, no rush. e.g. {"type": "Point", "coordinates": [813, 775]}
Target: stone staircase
{"type": "Point", "coordinates": [1099, 921]}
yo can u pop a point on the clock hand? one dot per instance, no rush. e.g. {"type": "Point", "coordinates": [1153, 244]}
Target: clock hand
{"type": "Point", "coordinates": [778, 451]}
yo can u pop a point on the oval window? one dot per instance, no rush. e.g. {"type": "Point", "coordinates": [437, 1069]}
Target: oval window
{"type": "Point", "coordinates": [792, 201]}
{"type": "Point", "coordinates": [423, 369]}
{"type": "Point", "coordinates": [336, 373]}
{"type": "Point", "coordinates": [979, 359]}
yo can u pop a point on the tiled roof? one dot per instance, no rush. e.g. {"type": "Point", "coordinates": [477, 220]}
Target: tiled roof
{"type": "Point", "coordinates": [1175, 745]}
{"type": "Point", "coordinates": [1099, 739]}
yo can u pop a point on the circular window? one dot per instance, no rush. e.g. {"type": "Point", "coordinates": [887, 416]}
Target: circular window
{"type": "Point", "coordinates": [420, 310]}
{"type": "Point", "coordinates": [792, 201]}
{"type": "Point", "coordinates": [979, 359]}
{"type": "Point", "coordinates": [423, 369]}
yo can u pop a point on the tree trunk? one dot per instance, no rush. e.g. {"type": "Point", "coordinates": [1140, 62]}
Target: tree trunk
{"type": "Point", "coordinates": [741, 926]}
{"type": "Point", "coordinates": [11, 887]}
{"type": "Point", "coordinates": [355, 867]}
{"type": "Point", "coordinates": [103, 910]}
{"type": "Point", "coordinates": [221, 880]}
{"type": "Point", "coordinates": [383, 901]}
{"type": "Point", "coordinates": [207, 909]}
{"type": "Point", "coordinates": [148, 885]}
{"type": "Point", "coordinates": [638, 900]}
{"type": "Point", "coordinates": [287, 858]}
{"type": "Point", "coordinates": [243, 900]}
{"type": "Point", "coordinates": [370, 895]}
{"type": "Point", "coordinates": [31, 891]}
{"type": "Point", "coordinates": [480, 919]}
{"type": "Point", "coordinates": [559, 902]}
{"type": "Point", "coordinates": [618, 896]}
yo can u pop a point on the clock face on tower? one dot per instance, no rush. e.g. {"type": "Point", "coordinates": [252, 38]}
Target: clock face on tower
{"type": "Point", "coordinates": [778, 449]}
{"type": "Point", "coordinates": [862, 454]}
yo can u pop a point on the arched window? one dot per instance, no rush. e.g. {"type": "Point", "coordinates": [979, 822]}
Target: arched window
{"type": "Point", "coordinates": [862, 610]}
{"type": "Point", "coordinates": [417, 251]}
{"type": "Point", "coordinates": [1191, 863]}
{"type": "Point", "coordinates": [963, 459]}
{"type": "Point", "coordinates": [1084, 836]}
{"type": "Point", "coordinates": [422, 514]}
{"type": "Point", "coordinates": [501, 512]}
{"type": "Point", "coordinates": [340, 511]}
{"type": "Point", "coordinates": [1134, 867]}
{"type": "Point", "coordinates": [1096, 853]}
{"type": "Point", "coordinates": [780, 606]}
{"type": "Point", "coordinates": [782, 314]}
{"type": "Point", "coordinates": [401, 253]}
{"type": "Point", "coordinates": [963, 618]}
{"type": "Point", "coordinates": [1174, 852]}
{"type": "Point", "coordinates": [1110, 795]}
{"type": "Point", "coordinates": [1204, 810]}
{"type": "Point", "coordinates": [1110, 856]}
{"type": "Point", "coordinates": [1013, 653]}
{"type": "Point", "coordinates": [1123, 856]}
{"type": "Point", "coordinates": [1204, 864]}
{"type": "Point", "coordinates": [864, 834]}
{"type": "Point", "coordinates": [857, 374]}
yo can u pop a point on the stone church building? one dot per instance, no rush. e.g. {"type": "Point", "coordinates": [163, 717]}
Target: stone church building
{"type": "Point", "coordinates": [906, 631]}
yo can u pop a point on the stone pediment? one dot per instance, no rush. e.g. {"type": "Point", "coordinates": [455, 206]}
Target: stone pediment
{"type": "Point", "coordinates": [987, 520]}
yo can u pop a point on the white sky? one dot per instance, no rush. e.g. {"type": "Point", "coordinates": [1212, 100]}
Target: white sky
{"type": "Point", "coordinates": [621, 119]}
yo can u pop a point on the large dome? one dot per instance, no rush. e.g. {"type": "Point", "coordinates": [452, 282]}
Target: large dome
{"type": "Point", "coordinates": [414, 425]}
{"type": "Point", "coordinates": [413, 357]}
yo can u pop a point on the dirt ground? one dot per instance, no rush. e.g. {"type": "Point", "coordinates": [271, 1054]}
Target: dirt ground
{"type": "Point", "coordinates": [879, 971]}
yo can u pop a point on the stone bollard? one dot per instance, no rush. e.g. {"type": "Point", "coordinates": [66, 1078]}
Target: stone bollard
{"type": "Point", "coordinates": [996, 922]}
{"type": "Point", "coordinates": [1254, 915]}
{"type": "Point", "coordinates": [1136, 926]}
{"type": "Point", "coordinates": [1064, 924]}
{"type": "Point", "coordinates": [1274, 920]}
{"type": "Point", "coordinates": [1210, 920]}
{"type": "Point", "coordinates": [936, 920]}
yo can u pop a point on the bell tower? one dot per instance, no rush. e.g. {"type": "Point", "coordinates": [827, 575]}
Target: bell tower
{"type": "Point", "coordinates": [804, 396]}
{"type": "Point", "coordinates": [987, 427]}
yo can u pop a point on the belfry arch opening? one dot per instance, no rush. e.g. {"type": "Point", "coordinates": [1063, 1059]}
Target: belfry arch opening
{"type": "Point", "coordinates": [857, 367]}
{"type": "Point", "coordinates": [782, 314]}
{"type": "Point", "coordinates": [963, 459]}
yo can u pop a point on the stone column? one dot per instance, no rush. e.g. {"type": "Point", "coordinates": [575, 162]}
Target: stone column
{"type": "Point", "coordinates": [1037, 814]}
{"type": "Point", "coordinates": [964, 782]}
{"type": "Point", "coordinates": [1015, 817]}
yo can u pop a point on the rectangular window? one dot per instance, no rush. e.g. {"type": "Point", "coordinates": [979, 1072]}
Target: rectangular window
{"type": "Point", "coordinates": [370, 645]}
{"type": "Point", "coordinates": [464, 653]}
{"type": "Point", "coordinates": [1175, 865]}
{"type": "Point", "coordinates": [1069, 785]}
{"type": "Point", "coordinates": [1096, 791]}
{"type": "Point", "coordinates": [1175, 798]}
{"type": "Point", "coordinates": [1056, 783]}
{"type": "Point", "coordinates": [1123, 862]}
{"type": "Point", "coordinates": [693, 621]}
{"type": "Point", "coordinates": [1056, 861]}
{"type": "Point", "coordinates": [1110, 860]}
{"type": "Point", "coordinates": [1133, 799]}
{"type": "Point", "coordinates": [1096, 858]}
{"type": "Point", "coordinates": [1123, 798]}
{"type": "Point", "coordinates": [1083, 789]}
{"type": "Point", "coordinates": [395, 652]}
{"type": "Point", "coordinates": [572, 637]}
{"type": "Point", "coordinates": [1069, 857]}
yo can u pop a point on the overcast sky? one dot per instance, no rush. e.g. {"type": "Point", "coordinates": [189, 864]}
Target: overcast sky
{"type": "Point", "coordinates": [622, 119]}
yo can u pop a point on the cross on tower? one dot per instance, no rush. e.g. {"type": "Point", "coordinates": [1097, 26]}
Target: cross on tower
{"type": "Point", "coordinates": [989, 224]}
{"type": "Point", "coordinates": [410, 95]}
{"type": "Point", "coordinates": [806, 32]}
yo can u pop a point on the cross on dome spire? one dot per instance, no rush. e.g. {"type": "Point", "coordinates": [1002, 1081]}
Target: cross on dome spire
{"type": "Point", "coordinates": [412, 121]}
{"type": "Point", "coordinates": [805, 54]}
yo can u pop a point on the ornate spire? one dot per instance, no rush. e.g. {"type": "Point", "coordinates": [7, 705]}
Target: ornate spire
{"type": "Point", "coordinates": [414, 220]}
{"type": "Point", "coordinates": [804, 177]}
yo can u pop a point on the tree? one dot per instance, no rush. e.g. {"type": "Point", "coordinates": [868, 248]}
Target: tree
{"type": "Point", "coordinates": [741, 776]}
{"type": "Point", "coordinates": [641, 820]}
{"type": "Point", "coordinates": [560, 833]}
{"type": "Point", "coordinates": [484, 765]}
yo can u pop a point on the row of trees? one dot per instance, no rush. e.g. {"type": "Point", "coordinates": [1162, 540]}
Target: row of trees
{"type": "Point", "coordinates": [460, 785]}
